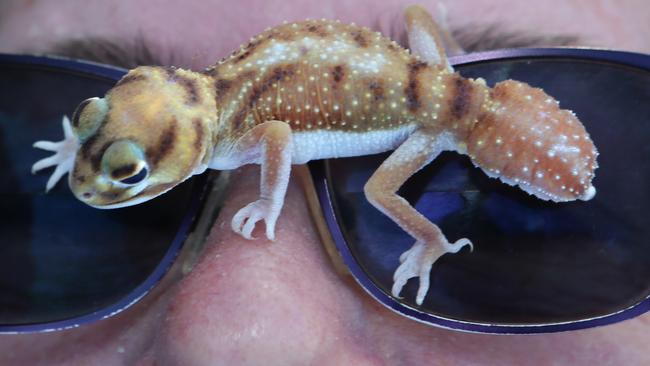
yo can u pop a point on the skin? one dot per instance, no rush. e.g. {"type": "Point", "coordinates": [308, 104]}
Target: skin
{"type": "Point", "coordinates": [243, 303]}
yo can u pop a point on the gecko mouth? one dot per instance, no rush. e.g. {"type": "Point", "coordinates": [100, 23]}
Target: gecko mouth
{"type": "Point", "coordinates": [144, 195]}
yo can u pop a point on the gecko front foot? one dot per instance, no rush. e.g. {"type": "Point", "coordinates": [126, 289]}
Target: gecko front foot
{"type": "Point", "coordinates": [263, 209]}
{"type": "Point", "coordinates": [417, 262]}
{"type": "Point", "coordinates": [64, 154]}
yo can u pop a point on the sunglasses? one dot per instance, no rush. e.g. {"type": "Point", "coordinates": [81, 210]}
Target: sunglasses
{"type": "Point", "coordinates": [63, 263]}
{"type": "Point", "coordinates": [536, 266]}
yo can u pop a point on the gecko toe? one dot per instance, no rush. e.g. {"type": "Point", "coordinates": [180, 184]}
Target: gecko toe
{"type": "Point", "coordinates": [63, 158]}
{"type": "Point", "coordinates": [244, 221]}
{"type": "Point", "coordinates": [458, 245]}
{"type": "Point", "coordinates": [254, 217]}
{"type": "Point", "coordinates": [418, 261]}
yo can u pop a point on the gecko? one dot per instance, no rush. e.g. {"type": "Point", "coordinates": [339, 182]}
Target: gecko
{"type": "Point", "coordinates": [322, 89]}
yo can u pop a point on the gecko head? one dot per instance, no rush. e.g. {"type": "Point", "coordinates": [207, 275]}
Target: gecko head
{"type": "Point", "coordinates": [149, 133]}
{"type": "Point", "coordinates": [524, 138]}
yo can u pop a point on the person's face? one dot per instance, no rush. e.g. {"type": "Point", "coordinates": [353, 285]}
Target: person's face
{"type": "Point", "coordinates": [257, 302]}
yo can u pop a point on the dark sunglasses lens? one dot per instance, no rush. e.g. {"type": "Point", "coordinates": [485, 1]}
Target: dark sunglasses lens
{"type": "Point", "coordinates": [534, 262]}
{"type": "Point", "coordinates": [61, 259]}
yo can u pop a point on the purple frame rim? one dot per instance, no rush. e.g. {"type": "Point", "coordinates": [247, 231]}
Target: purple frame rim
{"type": "Point", "coordinates": [140, 291]}
{"type": "Point", "coordinates": [317, 169]}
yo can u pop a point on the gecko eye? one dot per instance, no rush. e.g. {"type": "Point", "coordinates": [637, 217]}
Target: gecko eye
{"type": "Point", "coordinates": [88, 116]}
{"type": "Point", "coordinates": [124, 162]}
{"type": "Point", "coordinates": [137, 178]}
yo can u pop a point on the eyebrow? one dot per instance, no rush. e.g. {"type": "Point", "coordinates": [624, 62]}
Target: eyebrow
{"type": "Point", "coordinates": [492, 37]}
{"type": "Point", "coordinates": [138, 51]}
{"type": "Point", "coordinates": [123, 53]}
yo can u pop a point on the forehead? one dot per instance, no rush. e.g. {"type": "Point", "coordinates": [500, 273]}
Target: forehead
{"type": "Point", "coordinates": [208, 40]}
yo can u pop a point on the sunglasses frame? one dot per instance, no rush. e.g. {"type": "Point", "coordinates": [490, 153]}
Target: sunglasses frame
{"type": "Point", "coordinates": [190, 218]}
{"type": "Point", "coordinates": [325, 193]}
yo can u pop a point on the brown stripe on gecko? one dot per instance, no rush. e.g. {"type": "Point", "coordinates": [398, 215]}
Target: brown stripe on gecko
{"type": "Point", "coordinates": [338, 73]}
{"type": "Point", "coordinates": [165, 144]}
{"type": "Point", "coordinates": [242, 56]}
{"type": "Point", "coordinates": [240, 117]}
{"type": "Point", "coordinates": [129, 78]}
{"type": "Point", "coordinates": [199, 133]}
{"type": "Point", "coordinates": [221, 87]}
{"type": "Point", "coordinates": [78, 176]}
{"type": "Point", "coordinates": [278, 74]}
{"type": "Point", "coordinates": [360, 38]}
{"type": "Point", "coordinates": [248, 49]}
{"type": "Point", "coordinates": [224, 86]}
{"type": "Point", "coordinates": [211, 71]}
{"type": "Point", "coordinates": [284, 33]}
{"type": "Point", "coordinates": [411, 90]}
{"type": "Point", "coordinates": [377, 90]}
{"type": "Point", "coordinates": [393, 47]}
{"type": "Point", "coordinates": [187, 83]}
{"type": "Point", "coordinates": [170, 71]}
{"type": "Point", "coordinates": [190, 88]}
{"type": "Point", "coordinates": [317, 29]}
{"type": "Point", "coordinates": [96, 158]}
{"type": "Point", "coordinates": [87, 146]}
{"type": "Point", "coordinates": [462, 97]}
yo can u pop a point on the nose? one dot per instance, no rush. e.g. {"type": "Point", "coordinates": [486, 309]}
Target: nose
{"type": "Point", "coordinates": [86, 194]}
{"type": "Point", "coordinates": [253, 297]}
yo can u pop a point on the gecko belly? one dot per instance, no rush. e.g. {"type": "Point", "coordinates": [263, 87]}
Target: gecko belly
{"type": "Point", "coordinates": [325, 144]}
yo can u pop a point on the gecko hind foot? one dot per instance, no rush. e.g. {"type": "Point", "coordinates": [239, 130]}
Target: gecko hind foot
{"type": "Point", "coordinates": [417, 262]}
{"type": "Point", "coordinates": [245, 219]}
{"type": "Point", "coordinates": [64, 154]}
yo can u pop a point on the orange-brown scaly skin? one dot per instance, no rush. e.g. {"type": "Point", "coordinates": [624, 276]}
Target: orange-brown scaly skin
{"type": "Point", "coordinates": [327, 81]}
{"type": "Point", "coordinates": [523, 137]}
{"type": "Point", "coordinates": [331, 92]}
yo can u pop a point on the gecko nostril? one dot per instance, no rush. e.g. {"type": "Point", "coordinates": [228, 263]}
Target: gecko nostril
{"type": "Point", "coordinates": [87, 195]}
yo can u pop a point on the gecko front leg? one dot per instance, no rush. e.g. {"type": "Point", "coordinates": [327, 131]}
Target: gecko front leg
{"type": "Point", "coordinates": [64, 154]}
{"type": "Point", "coordinates": [413, 154]}
{"type": "Point", "coordinates": [270, 144]}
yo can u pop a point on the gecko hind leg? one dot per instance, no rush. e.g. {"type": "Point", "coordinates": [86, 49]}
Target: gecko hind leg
{"type": "Point", "coordinates": [418, 150]}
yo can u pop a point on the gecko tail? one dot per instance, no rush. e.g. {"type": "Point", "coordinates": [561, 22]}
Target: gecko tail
{"type": "Point", "coordinates": [525, 139]}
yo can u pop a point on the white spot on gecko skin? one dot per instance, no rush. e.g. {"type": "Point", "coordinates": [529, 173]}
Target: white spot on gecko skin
{"type": "Point", "coordinates": [566, 149]}
{"type": "Point", "coordinates": [368, 64]}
